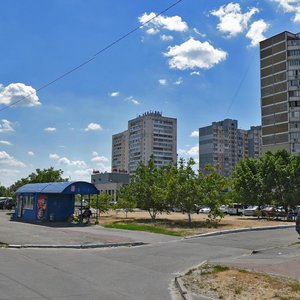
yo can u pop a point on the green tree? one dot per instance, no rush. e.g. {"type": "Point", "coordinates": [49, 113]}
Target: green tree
{"type": "Point", "coordinates": [126, 199]}
{"type": "Point", "coordinates": [213, 191]}
{"type": "Point", "coordinates": [148, 188]}
{"type": "Point", "coordinates": [184, 187]}
{"type": "Point", "coordinates": [44, 175]}
{"type": "Point", "coordinates": [101, 203]}
{"type": "Point", "coordinates": [248, 183]}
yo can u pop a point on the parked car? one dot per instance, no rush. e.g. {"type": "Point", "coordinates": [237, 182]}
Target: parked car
{"type": "Point", "coordinates": [298, 222]}
{"type": "Point", "coordinates": [7, 203]}
{"type": "Point", "coordinates": [236, 209]}
{"type": "Point", "coordinates": [251, 211]}
{"type": "Point", "coordinates": [273, 212]}
{"type": "Point", "coordinates": [204, 210]}
{"type": "Point", "coordinates": [224, 209]}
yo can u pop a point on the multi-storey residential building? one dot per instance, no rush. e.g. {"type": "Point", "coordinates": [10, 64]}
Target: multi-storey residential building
{"type": "Point", "coordinates": [254, 141]}
{"type": "Point", "coordinates": [280, 92]}
{"type": "Point", "coordinates": [150, 134]}
{"type": "Point", "coordinates": [222, 145]}
{"type": "Point", "coordinates": [119, 157]}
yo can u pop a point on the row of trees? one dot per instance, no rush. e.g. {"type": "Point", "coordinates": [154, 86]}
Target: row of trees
{"type": "Point", "coordinates": [160, 190]}
{"type": "Point", "coordinates": [274, 179]}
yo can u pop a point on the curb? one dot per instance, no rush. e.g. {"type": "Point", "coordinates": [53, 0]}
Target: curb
{"type": "Point", "coordinates": [83, 246]}
{"type": "Point", "coordinates": [221, 232]}
{"type": "Point", "coordinates": [183, 291]}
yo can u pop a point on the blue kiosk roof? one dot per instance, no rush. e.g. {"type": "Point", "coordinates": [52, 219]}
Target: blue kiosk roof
{"type": "Point", "coordinates": [67, 187]}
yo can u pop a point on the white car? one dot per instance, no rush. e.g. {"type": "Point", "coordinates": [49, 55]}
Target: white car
{"type": "Point", "coordinates": [251, 211]}
{"type": "Point", "coordinates": [204, 210]}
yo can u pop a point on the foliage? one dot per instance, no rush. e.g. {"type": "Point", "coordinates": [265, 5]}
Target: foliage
{"type": "Point", "coordinates": [148, 188]}
{"type": "Point", "coordinates": [213, 189]}
{"type": "Point", "coordinates": [101, 202]}
{"type": "Point", "coordinates": [44, 175]}
{"type": "Point", "coordinates": [126, 199]}
{"type": "Point", "coordinates": [272, 179]}
{"type": "Point", "coordinates": [184, 187]}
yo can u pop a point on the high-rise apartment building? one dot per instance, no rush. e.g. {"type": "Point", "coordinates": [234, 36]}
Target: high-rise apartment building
{"type": "Point", "coordinates": [119, 156]}
{"type": "Point", "coordinates": [222, 145]}
{"type": "Point", "coordinates": [280, 92]}
{"type": "Point", "coordinates": [150, 134]}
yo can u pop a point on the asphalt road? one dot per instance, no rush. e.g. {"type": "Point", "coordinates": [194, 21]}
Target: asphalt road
{"type": "Point", "coordinates": [135, 273]}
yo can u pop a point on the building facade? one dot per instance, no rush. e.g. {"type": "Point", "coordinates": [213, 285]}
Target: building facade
{"type": "Point", "coordinates": [109, 183]}
{"type": "Point", "coordinates": [119, 157]}
{"type": "Point", "coordinates": [150, 134]}
{"type": "Point", "coordinates": [223, 144]}
{"type": "Point", "coordinates": [280, 92]}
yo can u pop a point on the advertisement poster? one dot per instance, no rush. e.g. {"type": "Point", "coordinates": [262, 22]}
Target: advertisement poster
{"type": "Point", "coordinates": [41, 207]}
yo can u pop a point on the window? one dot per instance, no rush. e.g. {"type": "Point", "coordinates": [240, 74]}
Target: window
{"type": "Point", "coordinates": [28, 201]}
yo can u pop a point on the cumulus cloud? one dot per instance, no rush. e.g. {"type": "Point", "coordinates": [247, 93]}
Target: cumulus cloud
{"type": "Point", "coordinates": [194, 54]}
{"type": "Point", "coordinates": [30, 153]}
{"type": "Point", "coordinates": [7, 143]}
{"type": "Point", "coordinates": [255, 33]}
{"type": "Point", "coordinates": [195, 73]}
{"type": "Point", "coordinates": [6, 126]}
{"type": "Point", "coordinates": [290, 6]}
{"type": "Point", "coordinates": [192, 152]}
{"type": "Point", "coordinates": [93, 127]}
{"type": "Point", "coordinates": [162, 81]}
{"type": "Point", "coordinates": [195, 133]}
{"type": "Point", "coordinates": [165, 37]}
{"type": "Point", "coordinates": [8, 160]}
{"type": "Point", "coordinates": [231, 19]}
{"type": "Point", "coordinates": [154, 25]}
{"type": "Point", "coordinates": [133, 100]}
{"type": "Point", "coordinates": [18, 94]}
{"type": "Point", "coordinates": [99, 159]}
{"type": "Point", "coordinates": [199, 33]}
{"type": "Point", "coordinates": [67, 162]}
{"type": "Point", "coordinates": [114, 94]}
{"type": "Point", "coordinates": [50, 129]}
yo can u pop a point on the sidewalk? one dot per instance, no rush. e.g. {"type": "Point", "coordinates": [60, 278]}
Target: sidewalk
{"type": "Point", "coordinates": [61, 235]}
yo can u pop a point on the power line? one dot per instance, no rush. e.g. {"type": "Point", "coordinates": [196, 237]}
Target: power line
{"type": "Point", "coordinates": [94, 56]}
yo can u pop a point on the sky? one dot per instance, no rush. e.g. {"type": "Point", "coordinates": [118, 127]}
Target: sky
{"type": "Point", "coordinates": [73, 72]}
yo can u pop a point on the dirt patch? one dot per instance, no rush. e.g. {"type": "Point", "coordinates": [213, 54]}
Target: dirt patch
{"type": "Point", "coordinates": [221, 282]}
{"type": "Point", "coordinates": [178, 221]}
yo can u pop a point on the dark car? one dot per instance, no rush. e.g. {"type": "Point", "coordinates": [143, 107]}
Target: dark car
{"type": "Point", "coordinates": [298, 222]}
{"type": "Point", "coordinates": [7, 203]}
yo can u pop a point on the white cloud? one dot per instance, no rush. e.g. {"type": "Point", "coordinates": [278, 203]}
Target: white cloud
{"type": "Point", "coordinates": [8, 160]}
{"type": "Point", "coordinates": [195, 73]}
{"type": "Point", "coordinates": [195, 133]}
{"type": "Point", "coordinates": [93, 127]}
{"type": "Point", "coordinates": [67, 162]}
{"type": "Point", "coordinates": [5, 126]}
{"type": "Point", "coordinates": [94, 153]}
{"type": "Point", "coordinates": [255, 33]}
{"type": "Point", "coordinates": [50, 129]}
{"type": "Point", "coordinates": [114, 94]}
{"type": "Point", "coordinates": [174, 23]}
{"type": "Point", "coordinates": [165, 37]}
{"type": "Point", "coordinates": [162, 81]}
{"type": "Point", "coordinates": [232, 20]}
{"type": "Point", "coordinates": [194, 54]}
{"type": "Point", "coordinates": [18, 94]}
{"type": "Point", "coordinates": [132, 100]}
{"type": "Point", "coordinates": [291, 6]}
{"type": "Point", "coordinates": [199, 33]}
{"type": "Point", "coordinates": [99, 159]}
{"type": "Point", "coordinates": [192, 152]}
{"type": "Point", "coordinates": [178, 81]}
{"type": "Point", "coordinates": [6, 143]}
{"type": "Point", "coordinates": [30, 153]}
{"type": "Point", "coordinates": [152, 31]}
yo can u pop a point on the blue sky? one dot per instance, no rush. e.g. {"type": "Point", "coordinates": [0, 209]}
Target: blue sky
{"type": "Point", "coordinates": [197, 62]}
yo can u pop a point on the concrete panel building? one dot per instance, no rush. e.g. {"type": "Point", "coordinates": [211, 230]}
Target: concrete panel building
{"type": "Point", "coordinates": [150, 134]}
{"type": "Point", "coordinates": [223, 144]}
{"type": "Point", "coordinates": [280, 92]}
